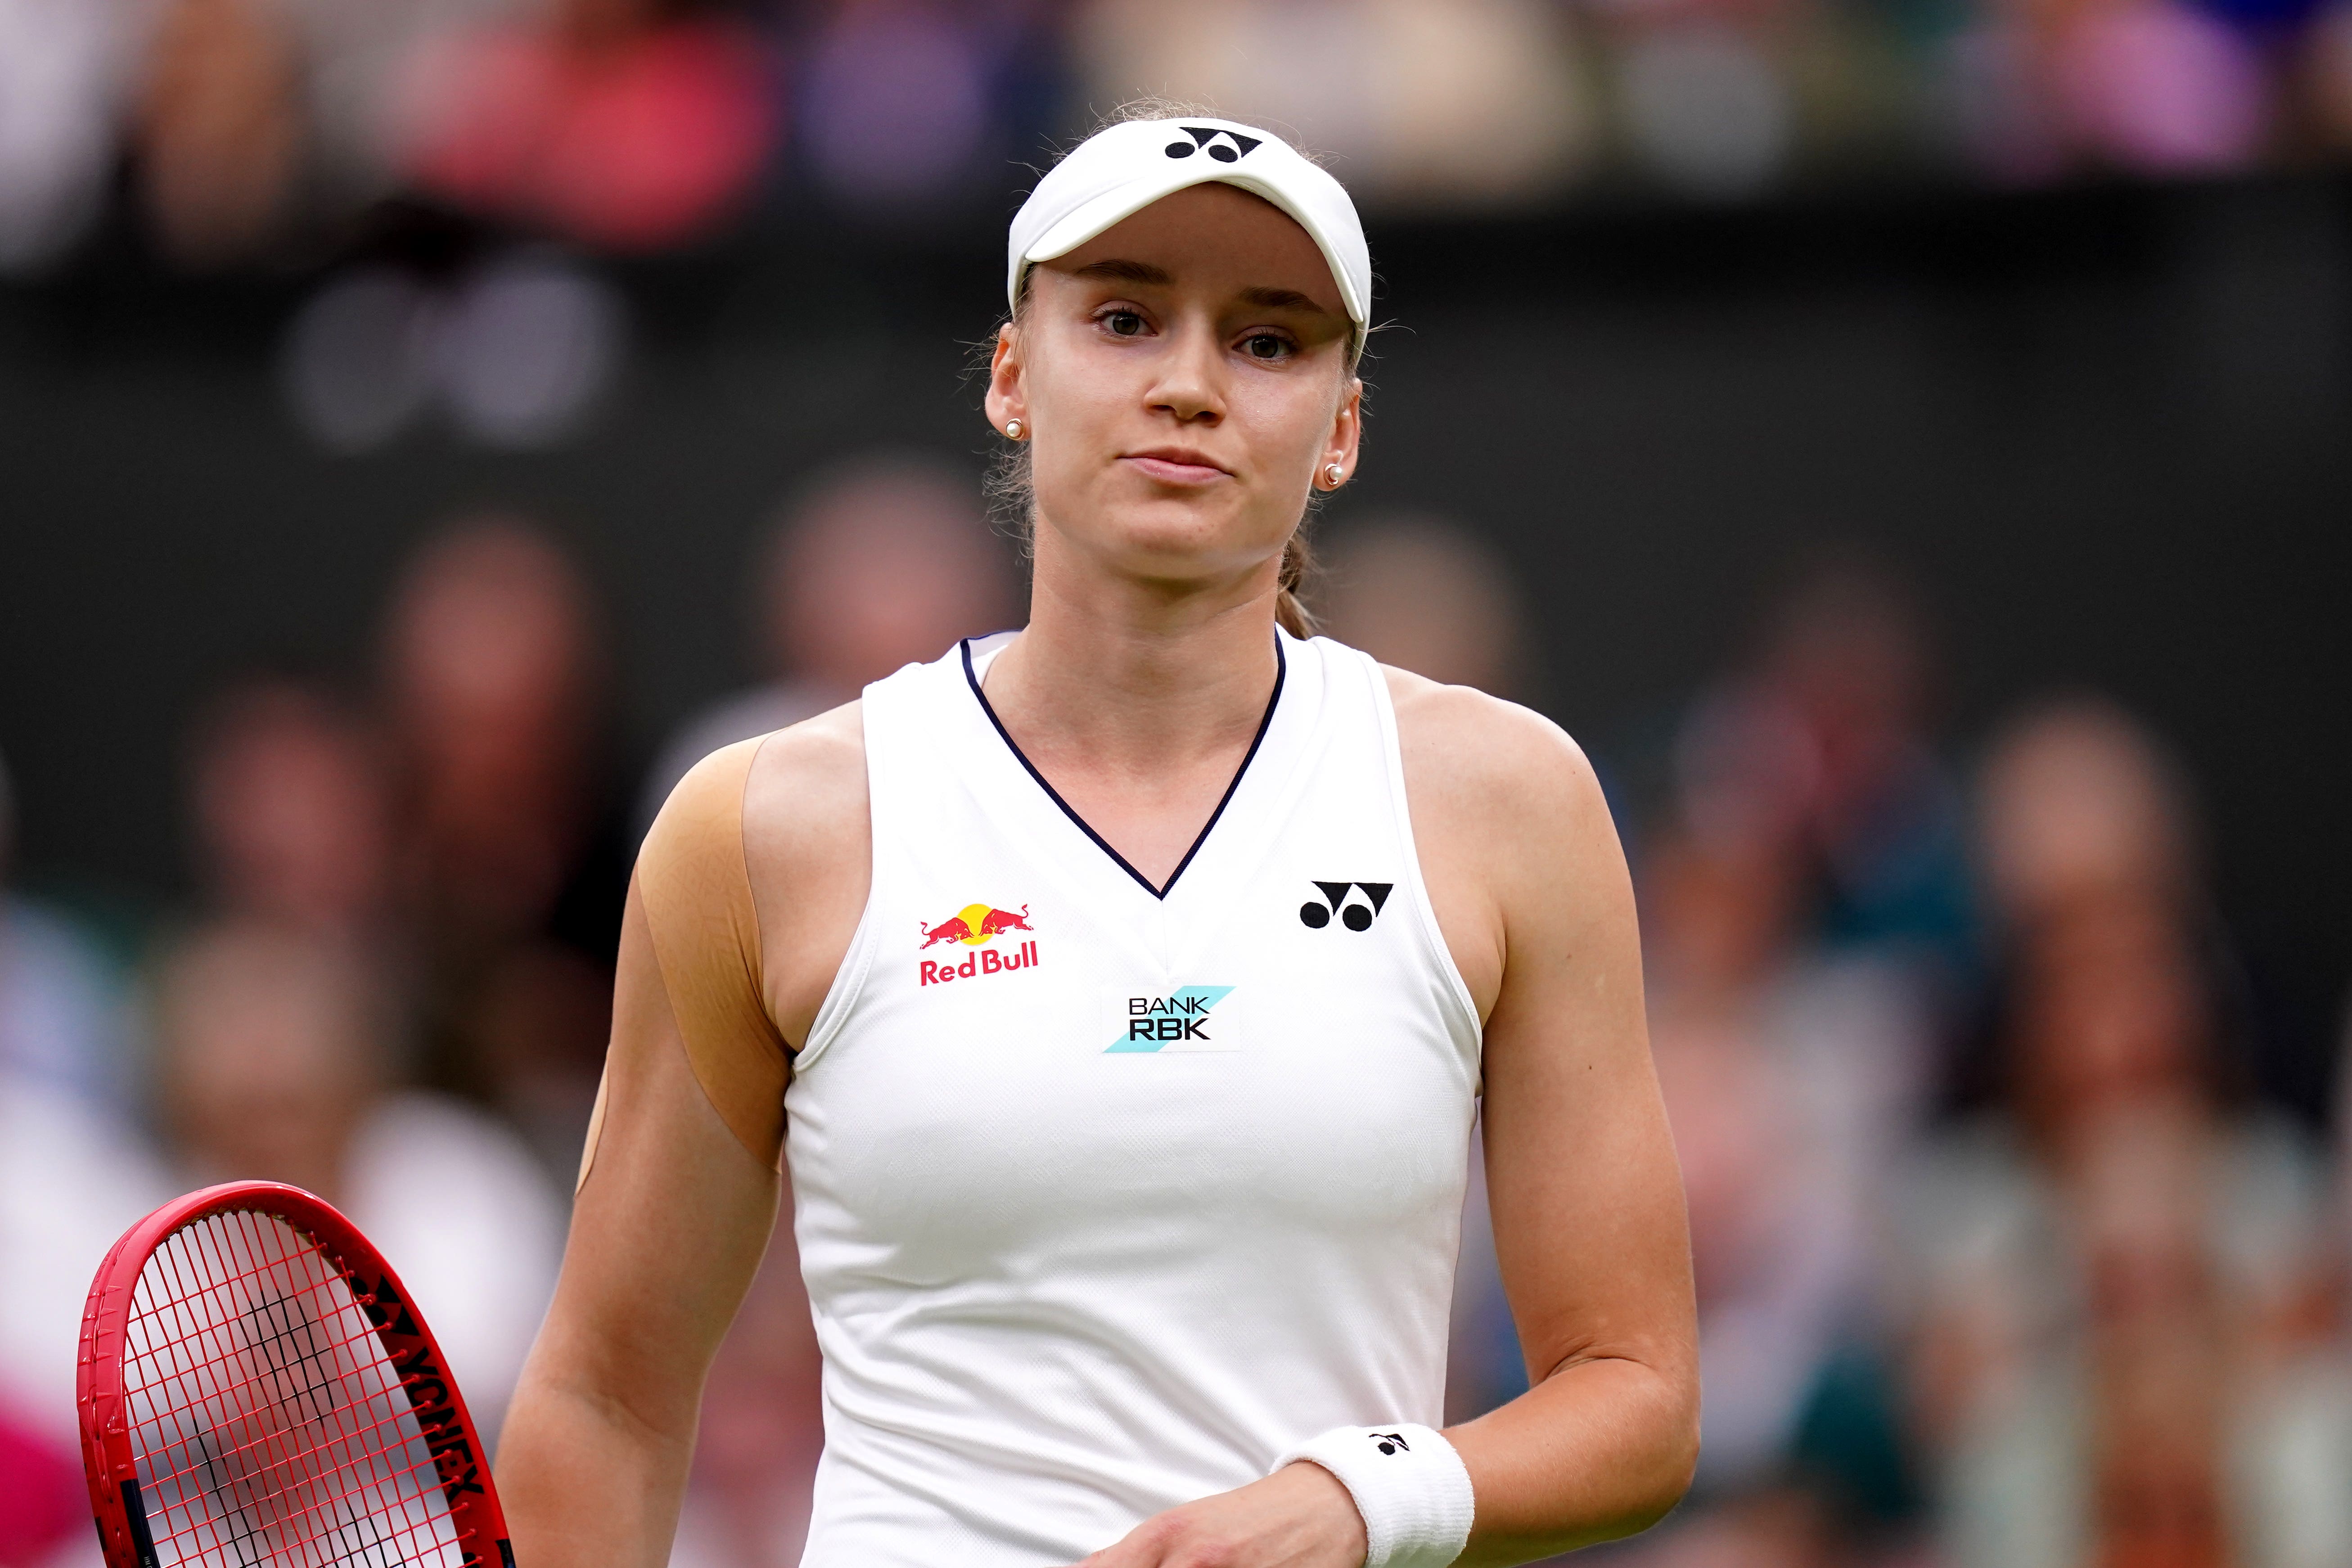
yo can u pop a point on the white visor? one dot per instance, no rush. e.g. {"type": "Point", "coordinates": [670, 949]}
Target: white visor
{"type": "Point", "coordinates": [1121, 171]}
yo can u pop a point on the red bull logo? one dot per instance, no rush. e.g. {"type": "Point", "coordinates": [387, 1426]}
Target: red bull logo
{"type": "Point", "coordinates": [975, 926]}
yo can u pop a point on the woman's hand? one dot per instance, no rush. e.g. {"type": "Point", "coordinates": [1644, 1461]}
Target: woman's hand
{"type": "Point", "coordinates": [1299, 1517]}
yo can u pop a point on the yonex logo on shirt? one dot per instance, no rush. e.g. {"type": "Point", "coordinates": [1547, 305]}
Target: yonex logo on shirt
{"type": "Point", "coordinates": [1354, 915]}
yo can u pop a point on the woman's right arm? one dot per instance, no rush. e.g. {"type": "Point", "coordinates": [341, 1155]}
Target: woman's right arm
{"type": "Point", "coordinates": [667, 1233]}
{"type": "Point", "coordinates": [745, 898]}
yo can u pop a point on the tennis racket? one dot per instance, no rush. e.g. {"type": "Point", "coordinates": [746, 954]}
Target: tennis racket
{"type": "Point", "coordinates": [257, 1391]}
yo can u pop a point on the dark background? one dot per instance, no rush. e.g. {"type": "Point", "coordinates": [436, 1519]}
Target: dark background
{"type": "Point", "coordinates": [2108, 432]}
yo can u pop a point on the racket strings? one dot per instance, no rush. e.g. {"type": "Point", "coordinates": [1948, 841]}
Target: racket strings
{"type": "Point", "coordinates": [269, 1424]}
{"type": "Point", "coordinates": [283, 1411]}
{"type": "Point", "coordinates": [295, 1435]}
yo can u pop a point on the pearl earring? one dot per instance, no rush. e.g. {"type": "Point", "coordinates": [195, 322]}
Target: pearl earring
{"type": "Point", "coordinates": [1331, 475]}
{"type": "Point", "coordinates": [1012, 428]}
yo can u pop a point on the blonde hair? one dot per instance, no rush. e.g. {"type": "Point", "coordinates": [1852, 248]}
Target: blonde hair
{"type": "Point", "coordinates": [1011, 488]}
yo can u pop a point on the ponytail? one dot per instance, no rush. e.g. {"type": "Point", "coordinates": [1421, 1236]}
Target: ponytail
{"type": "Point", "coordinates": [1297, 570]}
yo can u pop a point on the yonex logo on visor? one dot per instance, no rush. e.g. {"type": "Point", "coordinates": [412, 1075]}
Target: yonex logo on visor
{"type": "Point", "coordinates": [1225, 146]}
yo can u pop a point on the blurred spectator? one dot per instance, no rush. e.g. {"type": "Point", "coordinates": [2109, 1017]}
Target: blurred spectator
{"type": "Point", "coordinates": [65, 1021]}
{"type": "Point", "coordinates": [2124, 1351]}
{"type": "Point", "coordinates": [293, 809]}
{"type": "Point", "coordinates": [493, 680]}
{"type": "Point", "coordinates": [44, 1500]}
{"type": "Point", "coordinates": [1773, 1236]}
{"type": "Point", "coordinates": [358, 58]}
{"type": "Point", "coordinates": [1706, 101]}
{"type": "Point", "coordinates": [219, 129]}
{"type": "Point", "coordinates": [512, 868]}
{"type": "Point", "coordinates": [1824, 740]}
{"type": "Point", "coordinates": [1464, 104]}
{"type": "Point", "coordinates": [2150, 85]}
{"type": "Point", "coordinates": [2157, 87]}
{"type": "Point", "coordinates": [880, 563]}
{"type": "Point", "coordinates": [893, 105]}
{"type": "Point", "coordinates": [62, 65]}
{"type": "Point", "coordinates": [763, 1428]}
{"type": "Point", "coordinates": [631, 124]}
{"type": "Point", "coordinates": [2079, 811]}
{"type": "Point", "coordinates": [72, 1178]}
{"type": "Point", "coordinates": [1790, 1075]}
{"type": "Point", "coordinates": [276, 1058]}
{"type": "Point", "coordinates": [1420, 593]}
{"type": "Point", "coordinates": [2327, 72]}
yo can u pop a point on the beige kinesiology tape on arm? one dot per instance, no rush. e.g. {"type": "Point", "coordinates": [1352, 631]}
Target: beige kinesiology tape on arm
{"type": "Point", "coordinates": [696, 892]}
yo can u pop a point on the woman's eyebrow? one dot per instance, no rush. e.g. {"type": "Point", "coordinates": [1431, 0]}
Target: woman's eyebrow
{"type": "Point", "coordinates": [1280, 300]}
{"type": "Point", "coordinates": [1126, 272]}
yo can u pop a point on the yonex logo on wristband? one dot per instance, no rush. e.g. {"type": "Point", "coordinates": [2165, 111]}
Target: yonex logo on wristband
{"type": "Point", "coordinates": [1417, 1503]}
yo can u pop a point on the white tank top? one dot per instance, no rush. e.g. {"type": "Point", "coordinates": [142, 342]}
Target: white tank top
{"type": "Point", "coordinates": [1106, 1197]}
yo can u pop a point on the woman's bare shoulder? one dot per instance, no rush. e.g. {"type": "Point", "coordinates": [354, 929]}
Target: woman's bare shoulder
{"type": "Point", "coordinates": [808, 846]}
{"type": "Point", "coordinates": [1479, 756]}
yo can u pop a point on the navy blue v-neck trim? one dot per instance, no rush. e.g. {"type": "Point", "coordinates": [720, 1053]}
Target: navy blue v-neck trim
{"type": "Point", "coordinates": [1281, 669]}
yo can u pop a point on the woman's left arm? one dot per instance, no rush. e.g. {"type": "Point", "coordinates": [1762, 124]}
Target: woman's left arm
{"type": "Point", "coordinates": [1524, 868]}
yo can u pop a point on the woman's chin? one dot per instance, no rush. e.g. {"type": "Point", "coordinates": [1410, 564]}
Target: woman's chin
{"type": "Point", "coordinates": [1180, 551]}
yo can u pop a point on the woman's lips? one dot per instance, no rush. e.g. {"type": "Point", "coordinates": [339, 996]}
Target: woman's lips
{"type": "Point", "coordinates": [1176, 470]}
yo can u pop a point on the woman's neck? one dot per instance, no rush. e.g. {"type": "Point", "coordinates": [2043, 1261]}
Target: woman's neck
{"type": "Point", "coordinates": [1139, 704]}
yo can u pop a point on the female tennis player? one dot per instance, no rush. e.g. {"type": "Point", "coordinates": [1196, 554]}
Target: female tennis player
{"type": "Point", "coordinates": [1118, 994]}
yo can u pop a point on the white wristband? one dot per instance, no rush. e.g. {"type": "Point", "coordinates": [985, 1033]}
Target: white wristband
{"type": "Point", "coordinates": [1408, 1484]}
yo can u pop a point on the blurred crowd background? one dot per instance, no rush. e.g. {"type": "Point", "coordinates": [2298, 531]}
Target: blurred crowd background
{"type": "Point", "coordinates": [256, 127]}
{"type": "Point", "coordinates": [1909, 442]}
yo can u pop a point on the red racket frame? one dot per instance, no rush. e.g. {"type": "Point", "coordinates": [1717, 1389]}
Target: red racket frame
{"type": "Point", "coordinates": [112, 1468]}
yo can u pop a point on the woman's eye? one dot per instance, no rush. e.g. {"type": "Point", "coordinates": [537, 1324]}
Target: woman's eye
{"type": "Point", "coordinates": [1264, 346]}
{"type": "Point", "coordinates": [1124, 323]}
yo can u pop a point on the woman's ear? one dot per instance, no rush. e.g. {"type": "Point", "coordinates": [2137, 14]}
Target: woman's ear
{"type": "Point", "coordinates": [1007, 399]}
{"type": "Point", "coordinates": [1341, 450]}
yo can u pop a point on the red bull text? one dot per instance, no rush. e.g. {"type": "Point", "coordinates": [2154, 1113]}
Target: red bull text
{"type": "Point", "coordinates": [975, 926]}
{"type": "Point", "coordinates": [988, 961]}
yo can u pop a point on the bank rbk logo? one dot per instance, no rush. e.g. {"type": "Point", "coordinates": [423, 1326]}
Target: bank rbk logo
{"type": "Point", "coordinates": [1181, 1020]}
{"type": "Point", "coordinates": [1356, 914]}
